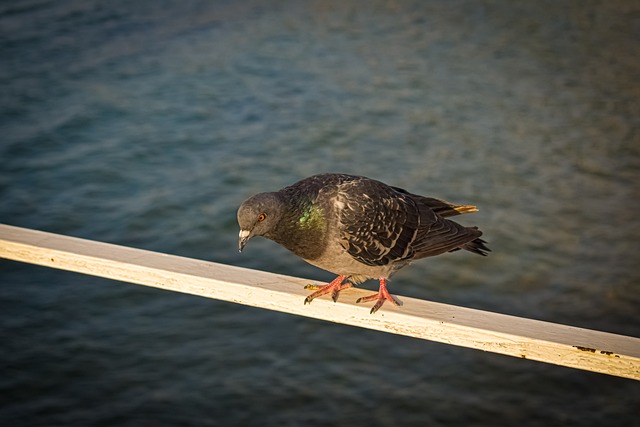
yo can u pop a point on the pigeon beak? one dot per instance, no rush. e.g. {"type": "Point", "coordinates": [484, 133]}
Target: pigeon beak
{"type": "Point", "coordinates": [243, 238]}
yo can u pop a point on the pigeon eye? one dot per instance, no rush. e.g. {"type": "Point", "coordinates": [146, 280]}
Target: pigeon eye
{"type": "Point", "coordinates": [261, 217]}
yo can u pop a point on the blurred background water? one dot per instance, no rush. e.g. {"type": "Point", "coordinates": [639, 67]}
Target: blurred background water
{"type": "Point", "coordinates": [147, 123]}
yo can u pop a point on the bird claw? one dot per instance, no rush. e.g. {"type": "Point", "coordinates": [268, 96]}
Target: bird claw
{"type": "Point", "coordinates": [379, 301]}
{"type": "Point", "coordinates": [381, 296]}
{"type": "Point", "coordinates": [334, 288]}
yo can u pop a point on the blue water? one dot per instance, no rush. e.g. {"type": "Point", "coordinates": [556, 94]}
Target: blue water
{"type": "Point", "coordinates": [147, 123]}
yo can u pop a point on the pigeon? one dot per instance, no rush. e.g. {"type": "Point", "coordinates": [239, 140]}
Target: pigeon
{"type": "Point", "coordinates": [356, 227]}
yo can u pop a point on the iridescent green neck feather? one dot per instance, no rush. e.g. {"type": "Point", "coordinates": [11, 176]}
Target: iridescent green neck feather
{"type": "Point", "coordinates": [312, 218]}
{"type": "Point", "coordinates": [302, 231]}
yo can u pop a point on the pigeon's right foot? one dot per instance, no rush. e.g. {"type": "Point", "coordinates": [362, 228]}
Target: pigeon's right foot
{"type": "Point", "coordinates": [334, 288]}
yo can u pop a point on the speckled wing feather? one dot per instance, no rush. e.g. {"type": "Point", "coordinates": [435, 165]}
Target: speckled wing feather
{"type": "Point", "coordinates": [379, 225]}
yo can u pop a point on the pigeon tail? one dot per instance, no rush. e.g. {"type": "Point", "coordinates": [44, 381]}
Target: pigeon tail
{"type": "Point", "coordinates": [446, 209]}
{"type": "Point", "coordinates": [439, 206]}
{"type": "Point", "coordinates": [463, 209]}
{"type": "Point", "coordinates": [477, 246]}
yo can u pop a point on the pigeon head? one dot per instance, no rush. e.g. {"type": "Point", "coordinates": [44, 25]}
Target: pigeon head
{"type": "Point", "coordinates": [257, 216]}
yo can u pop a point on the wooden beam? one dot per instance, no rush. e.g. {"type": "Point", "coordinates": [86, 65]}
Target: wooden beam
{"type": "Point", "coordinates": [525, 338]}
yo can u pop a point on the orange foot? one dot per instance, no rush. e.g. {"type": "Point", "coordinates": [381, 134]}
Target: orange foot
{"type": "Point", "coordinates": [334, 287]}
{"type": "Point", "coordinates": [382, 295]}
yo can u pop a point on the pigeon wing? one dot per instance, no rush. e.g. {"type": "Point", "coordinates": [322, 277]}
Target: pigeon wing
{"type": "Point", "coordinates": [379, 225]}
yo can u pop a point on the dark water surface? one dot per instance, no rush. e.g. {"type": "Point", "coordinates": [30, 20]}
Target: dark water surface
{"type": "Point", "coordinates": [147, 123]}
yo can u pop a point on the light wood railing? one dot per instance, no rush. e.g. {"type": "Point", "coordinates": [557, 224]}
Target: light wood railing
{"type": "Point", "coordinates": [557, 344]}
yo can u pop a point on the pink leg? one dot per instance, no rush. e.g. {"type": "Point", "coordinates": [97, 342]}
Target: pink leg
{"type": "Point", "coordinates": [334, 288]}
{"type": "Point", "coordinates": [382, 295]}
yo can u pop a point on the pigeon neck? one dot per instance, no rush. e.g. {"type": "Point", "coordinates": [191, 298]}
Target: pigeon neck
{"type": "Point", "coordinates": [301, 230]}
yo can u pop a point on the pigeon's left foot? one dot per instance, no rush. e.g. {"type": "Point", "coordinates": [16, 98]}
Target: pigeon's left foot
{"type": "Point", "coordinates": [334, 288]}
{"type": "Point", "coordinates": [382, 295]}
